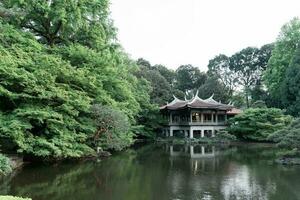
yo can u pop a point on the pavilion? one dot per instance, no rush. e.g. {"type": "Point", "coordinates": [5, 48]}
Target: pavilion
{"type": "Point", "coordinates": [196, 117]}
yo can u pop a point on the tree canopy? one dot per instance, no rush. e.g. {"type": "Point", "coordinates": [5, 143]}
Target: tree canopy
{"type": "Point", "coordinates": [285, 47]}
{"type": "Point", "coordinates": [290, 89]}
{"type": "Point", "coordinates": [49, 84]}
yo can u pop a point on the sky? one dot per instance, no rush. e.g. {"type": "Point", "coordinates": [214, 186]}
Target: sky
{"type": "Point", "coordinates": [178, 32]}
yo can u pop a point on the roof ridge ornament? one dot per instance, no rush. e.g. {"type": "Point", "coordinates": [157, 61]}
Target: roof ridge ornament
{"type": "Point", "coordinates": [212, 96]}
{"type": "Point", "coordinates": [196, 95]}
{"type": "Point", "coordinates": [175, 98]}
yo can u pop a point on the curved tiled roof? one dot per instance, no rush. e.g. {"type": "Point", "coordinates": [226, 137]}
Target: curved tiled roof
{"type": "Point", "coordinates": [234, 111]}
{"type": "Point", "coordinates": [196, 102]}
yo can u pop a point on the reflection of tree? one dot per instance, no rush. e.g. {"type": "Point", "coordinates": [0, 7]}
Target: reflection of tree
{"type": "Point", "coordinates": [253, 166]}
{"type": "Point", "coordinates": [57, 182]}
{"type": "Point", "coordinates": [147, 173]}
{"type": "Point", "coordinates": [118, 177]}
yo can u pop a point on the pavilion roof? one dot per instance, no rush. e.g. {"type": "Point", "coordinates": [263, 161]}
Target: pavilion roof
{"type": "Point", "coordinates": [196, 102]}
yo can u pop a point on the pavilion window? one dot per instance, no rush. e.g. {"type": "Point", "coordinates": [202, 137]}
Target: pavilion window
{"type": "Point", "coordinates": [207, 118]}
{"type": "Point", "coordinates": [196, 117]}
{"type": "Point", "coordinates": [221, 118]}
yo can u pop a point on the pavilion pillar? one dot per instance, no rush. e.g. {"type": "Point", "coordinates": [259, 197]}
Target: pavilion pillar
{"type": "Point", "coordinates": [202, 117]}
{"type": "Point", "coordinates": [213, 134]}
{"type": "Point", "coordinates": [191, 133]}
{"type": "Point", "coordinates": [186, 133]}
{"type": "Point", "coordinates": [217, 117]}
{"type": "Point", "coordinates": [202, 133]}
{"type": "Point", "coordinates": [192, 151]}
{"type": "Point", "coordinates": [171, 132]}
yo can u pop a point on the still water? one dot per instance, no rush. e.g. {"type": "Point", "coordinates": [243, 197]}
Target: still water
{"type": "Point", "coordinates": [159, 172]}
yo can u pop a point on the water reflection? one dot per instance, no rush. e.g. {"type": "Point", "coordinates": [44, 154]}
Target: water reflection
{"type": "Point", "coordinates": [193, 151]}
{"type": "Point", "coordinates": [159, 172]}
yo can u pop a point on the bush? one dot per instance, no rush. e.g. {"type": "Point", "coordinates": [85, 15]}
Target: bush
{"type": "Point", "coordinates": [5, 167]}
{"type": "Point", "coordinates": [257, 124]}
{"type": "Point", "coordinates": [224, 136]}
{"type": "Point", "coordinates": [113, 128]}
{"type": "Point", "coordinates": [12, 198]}
{"type": "Point", "coordinates": [288, 139]}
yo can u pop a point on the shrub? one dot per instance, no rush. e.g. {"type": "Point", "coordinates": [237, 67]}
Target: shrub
{"type": "Point", "coordinates": [113, 128]}
{"type": "Point", "coordinates": [258, 123]}
{"type": "Point", "coordinates": [224, 136]}
{"type": "Point", "coordinates": [5, 167]}
{"type": "Point", "coordinates": [289, 139]}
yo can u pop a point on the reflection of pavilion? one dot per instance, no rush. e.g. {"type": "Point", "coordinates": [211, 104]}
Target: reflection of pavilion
{"type": "Point", "coordinates": [197, 151]}
{"type": "Point", "coordinates": [202, 158]}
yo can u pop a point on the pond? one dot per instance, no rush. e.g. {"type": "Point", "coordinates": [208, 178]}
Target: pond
{"type": "Point", "coordinates": [159, 172]}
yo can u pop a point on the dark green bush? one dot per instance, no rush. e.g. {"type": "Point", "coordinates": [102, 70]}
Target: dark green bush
{"type": "Point", "coordinates": [288, 139]}
{"type": "Point", "coordinates": [257, 124]}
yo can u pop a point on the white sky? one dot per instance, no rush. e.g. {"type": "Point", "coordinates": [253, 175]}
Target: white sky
{"type": "Point", "coordinates": [176, 32]}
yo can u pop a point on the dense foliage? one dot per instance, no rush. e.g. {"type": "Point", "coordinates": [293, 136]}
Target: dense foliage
{"type": "Point", "coordinates": [113, 128]}
{"type": "Point", "coordinates": [283, 52]}
{"type": "Point", "coordinates": [257, 124]}
{"type": "Point", "coordinates": [5, 166]}
{"type": "Point", "coordinates": [281, 76]}
{"type": "Point", "coordinates": [57, 60]}
{"type": "Point", "coordinates": [288, 138]}
{"type": "Point", "coordinates": [290, 89]}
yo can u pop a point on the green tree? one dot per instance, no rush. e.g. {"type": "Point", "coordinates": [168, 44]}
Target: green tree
{"type": "Point", "coordinates": [249, 64]}
{"type": "Point", "coordinates": [290, 89]}
{"type": "Point", "coordinates": [285, 47]}
{"type": "Point", "coordinates": [46, 92]}
{"type": "Point", "coordinates": [44, 107]}
{"type": "Point", "coordinates": [60, 21]}
{"type": "Point", "coordinates": [189, 77]}
{"type": "Point", "coordinates": [168, 74]}
{"type": "Point", "coordinates": [257, 124]}
{"type": "Point", "coordinates": [219, 67]}
{"type": "Point", "coordinates": [161, 89]}
{"type": "Point", "coordinates": [213, 86]}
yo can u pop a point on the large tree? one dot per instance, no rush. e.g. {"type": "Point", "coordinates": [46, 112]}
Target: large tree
{"type": "Point", "coordinates": [62, 21]}
{"type": "Point", "coordinates": [47, 85]}
{"type": "Point", "coordinates": [290, 89]}
{"type": "Point", "coordinates": [161, 89]}
{"type": "Point", "coordinates": [220, 68]}
{"type": "Point", "coordinates": [168, 74]}
{"type": "Point", "coordinates": [249, 65]}
{"type": "Point", "coordinates": [285, 47]}
{"type": "Point", "coordinates": [213, 86]}
{"type": "Point", "coordinates": [189, 77]}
